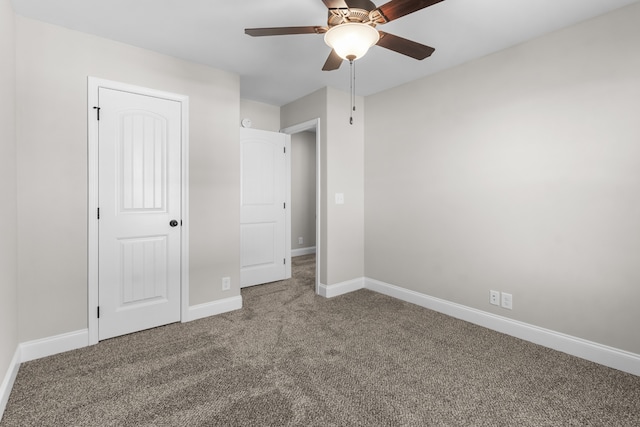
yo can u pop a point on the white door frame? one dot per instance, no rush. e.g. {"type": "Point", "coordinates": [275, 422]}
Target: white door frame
{"type": "Point", "coordinates": [93, 85]}
{"type": "Point", "coordinates": [301, 127]}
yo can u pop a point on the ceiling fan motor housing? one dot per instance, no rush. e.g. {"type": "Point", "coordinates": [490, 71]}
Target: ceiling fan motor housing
{"type": "Point", "coordinates": [359, 11]}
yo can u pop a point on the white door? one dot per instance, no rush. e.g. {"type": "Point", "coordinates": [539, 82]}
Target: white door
{"type": "Point", "coordinates": [263, 212]}
{"type": "Point", "coordinates": [139, 194]}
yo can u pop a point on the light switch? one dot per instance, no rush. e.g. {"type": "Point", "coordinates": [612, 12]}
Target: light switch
{"type": "Point", "coordinates": [339, 198]}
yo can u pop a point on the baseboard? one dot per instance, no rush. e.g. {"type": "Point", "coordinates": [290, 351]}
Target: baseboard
{"type": "Point", "coordinates": [330, 291]}
{"type": "Point", "coordinates": [9, 379]}
{"type": "Point", "coordinates": [598, 353]}
{"type": "Point", "coordinates": [215, 307]}
{"type": "Point", "coordinates": [303, 251]}
{"type": "Point", "coordinates": [44, 347]}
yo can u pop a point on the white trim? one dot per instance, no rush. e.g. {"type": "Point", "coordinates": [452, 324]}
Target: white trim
{"type": "Point", "coordinates": [287, 211]}
{"type": "Point", "coordinates": [330, 291]}
{"type": "Point", "coordinates": [185, 217]}
{"type": "Point", "coordinates": [303, 251]}
{"type": "Point", "coordinates": [9, 379]}
{"type": "Point", "coordinates": [302, 127]}
{"type": "Point", "coordinates": [93, 84]}
{"type": "Point", "coordinates": [594, 352]}
{"type": "Point", "coordinates": [92, 222]}
{"type": "Point", "coordinates": [49, 346]}
{"type": "Point", "coordinates": [213, 308]}
{"type": "Point", "coordinates": [314, 124]}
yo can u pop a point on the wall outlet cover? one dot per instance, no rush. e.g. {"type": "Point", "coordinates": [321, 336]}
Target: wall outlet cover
{"type": "Point", "coordinates": [494, 297]}
{"type": "Point", "coordinates": [507, 301]}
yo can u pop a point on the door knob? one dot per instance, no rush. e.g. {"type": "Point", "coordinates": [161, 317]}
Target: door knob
{"type": "Point", "coordinates": [173, 223]}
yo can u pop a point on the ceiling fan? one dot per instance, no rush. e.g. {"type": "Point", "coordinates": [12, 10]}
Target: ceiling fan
{"type": "Point", "coordinates": [353, 22]}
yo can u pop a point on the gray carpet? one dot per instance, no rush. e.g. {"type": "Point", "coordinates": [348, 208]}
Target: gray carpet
{"type": "Point", "coordinates": [291, 358]}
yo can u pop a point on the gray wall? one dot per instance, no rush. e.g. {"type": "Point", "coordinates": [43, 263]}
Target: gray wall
{"type": "Point", "coordinates": [517, 172]}
{"type": "Point", "coordinates": [52, 68]}
{"type": "Point", "coordinates": [345, 174]}
{"type": "Point", "coordinates": [8, 201]}
{"type": "Point", "coordinates": [303, 189]}
{"type": "Point", "coordinates": [310, 107]}
{"type": "Point", "coordinates": [342, 171]}
{"type": "Point", "coordinates": [263, 116]}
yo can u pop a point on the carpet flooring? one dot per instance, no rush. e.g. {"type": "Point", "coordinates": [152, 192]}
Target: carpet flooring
{"type": "Point", "coordinates": [291, 358]}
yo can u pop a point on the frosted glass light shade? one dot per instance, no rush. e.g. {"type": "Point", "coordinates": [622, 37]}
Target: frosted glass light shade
{"type": "Point", "coordinates": [351, 40]}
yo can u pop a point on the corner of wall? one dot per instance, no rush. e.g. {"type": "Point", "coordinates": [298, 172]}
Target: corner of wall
{"type": "Point", "coordinates": [9, 351]}
{"type": "Point", "coordinates": [9, 379]}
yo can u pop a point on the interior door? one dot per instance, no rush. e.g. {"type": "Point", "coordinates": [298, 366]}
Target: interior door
{"type": "Point", "coordinates": [263, 212]}
{"type": "Point", "coordinates": [139, 197]}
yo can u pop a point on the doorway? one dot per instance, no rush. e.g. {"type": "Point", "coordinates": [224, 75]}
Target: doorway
{"type": "Point", "coordinates": [138, 228]}
{"type": "Point", "coordinates": [306, 214]}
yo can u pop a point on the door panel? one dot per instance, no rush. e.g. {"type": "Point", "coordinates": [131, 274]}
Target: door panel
{"type": "Point", "coordinates": [263, 256]}
{"type": "Point", "coordinates": [143, 278]}
{"type": "Point", "coordinates": [260, 163]}
{"type": "Point", "coordinates": [142, 162]}
{"type": "Point", "coordinates": [139, 194]}
{"type": "Point", "coordinates": [259, 244]}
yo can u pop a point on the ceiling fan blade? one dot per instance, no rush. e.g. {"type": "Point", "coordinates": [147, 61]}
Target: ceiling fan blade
{"type": "Point", "coordinates": [333, 62]}
{"type": "Point", "coordinates": [335, 4]}
{"type": "Point", "coordinates": [283, 31]}
{"type": "Point", "coordinates": [404, 46]}
{"type": "Point", "coordinates": [398, 8]}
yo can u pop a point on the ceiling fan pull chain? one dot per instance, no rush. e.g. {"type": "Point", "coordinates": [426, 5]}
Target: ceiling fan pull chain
{"type": "Point", "coordinates": [353, 102]}
{"type": "Point", "coordinates": [351, 90]}
{"type": "Point", "coordinates": [352, 84]}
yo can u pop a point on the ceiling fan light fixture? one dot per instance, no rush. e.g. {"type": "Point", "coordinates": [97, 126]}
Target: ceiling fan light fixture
{"type": "Point", "coordinates": [352, 40]}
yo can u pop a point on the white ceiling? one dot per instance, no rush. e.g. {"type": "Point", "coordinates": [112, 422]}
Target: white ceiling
{"type": "Point", "coordinates": [280, 69]}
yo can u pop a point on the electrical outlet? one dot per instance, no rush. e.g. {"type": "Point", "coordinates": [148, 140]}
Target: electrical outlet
{"type": "Point", "coordinates": [507, 301]}
{"type": "Point", "coordinates": [300, 240]}
{"type": "Point", "coordinates": [494, 297]}
{"type": "Point", "coordinates": [226, 283]}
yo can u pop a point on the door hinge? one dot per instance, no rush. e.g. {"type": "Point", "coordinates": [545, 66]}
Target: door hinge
{"type": "Point", "coordinates": [98, 312]}
{"type": "Point", "coordinates": [284, 261]}
{"type": "Point", "coordinates": [284, 205]}
{"type": "Point", "coordinates": [98, 213]}
{"type": "Point", "coordinates": [285, 150]}
{"type": "Point", "coordinates": [97, 112]}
